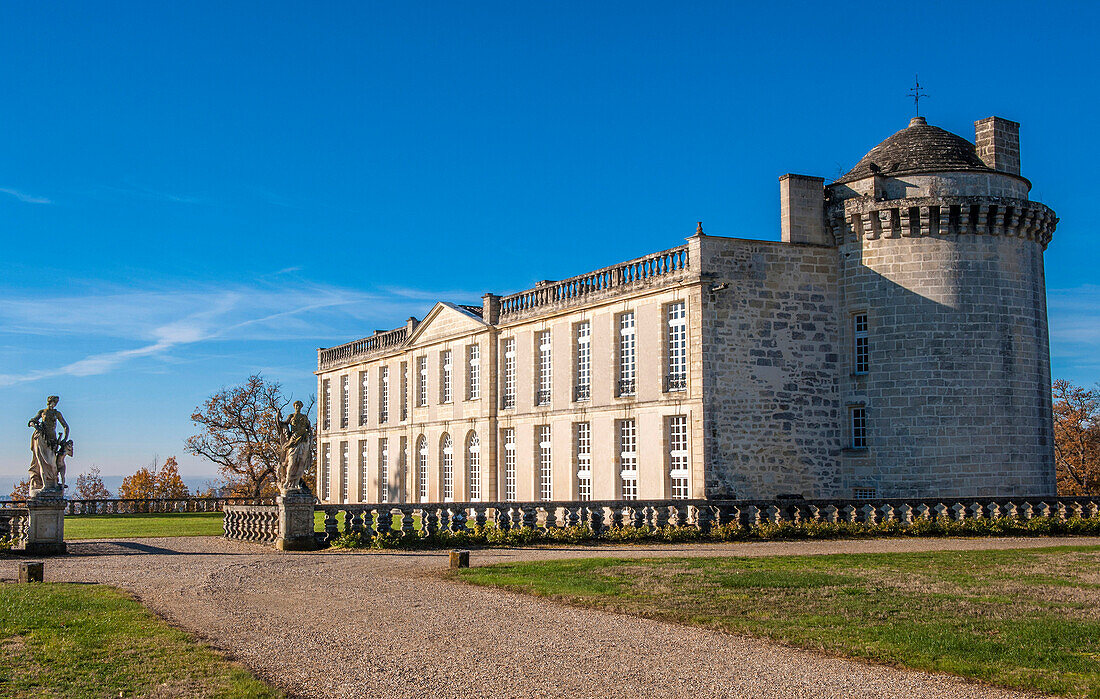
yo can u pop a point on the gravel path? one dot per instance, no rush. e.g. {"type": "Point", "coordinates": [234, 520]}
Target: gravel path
{"type": "Point", "coordinates": [384, 624]}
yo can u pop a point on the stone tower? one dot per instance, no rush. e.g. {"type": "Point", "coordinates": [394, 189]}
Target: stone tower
{"type": "Point", "coordinates": [941, 270]}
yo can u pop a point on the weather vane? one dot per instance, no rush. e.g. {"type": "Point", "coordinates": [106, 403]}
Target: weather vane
{"type": "Point", "coordinates": [916, 94]}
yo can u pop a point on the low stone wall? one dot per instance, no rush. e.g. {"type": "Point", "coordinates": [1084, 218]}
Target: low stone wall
{"type": "Point", "coordinates": [256, 523]}
{"type": "Point", "coordinates": [129, 506]}
{"type": "Point", "coordinates": [13, 525]}
{"type": "Point", "coordinates": [399, 519]}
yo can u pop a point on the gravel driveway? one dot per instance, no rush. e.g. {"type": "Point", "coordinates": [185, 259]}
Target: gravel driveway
{"type": "Point", "coordinates": [384, 624]}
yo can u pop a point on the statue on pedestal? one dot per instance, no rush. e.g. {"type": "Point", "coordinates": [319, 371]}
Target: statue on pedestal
{"type": "Point", "coordinates": [297, 442]}
{"type": "Point", "coordinates": [48, 452]}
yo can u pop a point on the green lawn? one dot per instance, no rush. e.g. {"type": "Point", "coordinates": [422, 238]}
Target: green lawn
{"type": "Point", "coordinates": [137, 526]}
{"type": "Point", "coordinates": [92, 641]}
{"type": "Point", "coordinates": [1019, 618]}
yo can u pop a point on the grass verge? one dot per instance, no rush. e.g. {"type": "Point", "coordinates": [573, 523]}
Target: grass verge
{"type": "Point", "coordinates": [92, 641]}
{"type": "Point", "coordinates": [1026, 619]}
{"type": "Point", "coordinates": [144, 525]}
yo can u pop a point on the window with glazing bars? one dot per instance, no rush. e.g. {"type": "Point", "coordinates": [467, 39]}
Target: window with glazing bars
{"type": "Point", "coordinates": [676, 379]}
{"type": "Point", "coordinates": [473, 382]}
{"type": "Point", "coordinates": [383, 394]}
{"type": "Point", "coordinates": [583, 388]}
{"type": "Point", "coordinates": [363, 477]}
{"type": "Point", "coordinates": [861, 346]}
{"type": "Point", "coordinates": [326, 471]}
{"type": "Point", "coordinates": [422, 381]}
{"type": "Point", "coordinates": [383, 469]}
{"type": "Point", "coordinates": [473, 466]}
{"type": "Point", "coordinates": [628, 459]}
{"type": "Point", "coordinates": [364, 397]}
{"type": "Point", "coordinates": [508, 396]}
{"type": "Point", "coordinates": [546, 471]}
{"type": "Point", "coordinates": [401, 476]}
{"type": "Point", "coordinates": [422, 468]}
{"type": "Point", "coordinates": [326, 405]}
{"type": "Point", "coordinates": [404, 390]}
{"type": "Point", "coordinates": [544, 378]}
{"type": "Point", "coordinates": [344, 467]}
{"type": "Point", "coordinates": [582, 442]}
{"type": "Point", "coordinates": [445, 373]}
{"type": "Point", "coordinates": [626, 354]}
{"type": "Point", "coordinates": [345, 401]}
{"type": "Point", "coordinates": [447, 467]}
{"type": "Point", "coordinates": [678, 457]}
{"type": "Point", "coordinates": [859, 426]}
{"type": "Point", "coordinates": [510, 464]}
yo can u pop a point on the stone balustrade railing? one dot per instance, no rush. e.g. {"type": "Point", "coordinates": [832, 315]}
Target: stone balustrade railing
{"type": "Point", "coordinates": [331, 357]}
{"type": "Point", "coordinates": [129, 506]}
{"type": "Point", "coordinates": [399, 519]}
{"type": "Point", "coordinates": [665, 264]}
{"type": "Point", "coordinates": [13, 524]}
{"type": "Point", "coordinates": [256, 523]}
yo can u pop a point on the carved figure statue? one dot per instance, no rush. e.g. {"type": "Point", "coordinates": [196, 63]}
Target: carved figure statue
{"type": "Point", "coordinates": [48, 452]}
{"type": "Point", "coordinates": [297, 434]}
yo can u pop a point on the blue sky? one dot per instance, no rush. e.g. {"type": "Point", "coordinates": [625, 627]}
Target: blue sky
{"type": "Point", "coordinates": [190, 192]}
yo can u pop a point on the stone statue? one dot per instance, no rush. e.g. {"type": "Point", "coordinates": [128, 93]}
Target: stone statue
{"type": "Point", "coordinates": [47, 451]}
{"type": "Point", "coordinates": [297, 442]}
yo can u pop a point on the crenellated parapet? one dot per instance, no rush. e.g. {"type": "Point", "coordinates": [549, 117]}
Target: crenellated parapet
{"type": "Point", "coordinates": [871, 219]}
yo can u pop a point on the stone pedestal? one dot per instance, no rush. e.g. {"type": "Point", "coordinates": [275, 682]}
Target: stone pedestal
{"type": "Point", "coordinates": [295, 523]}
{"type": "Point", "coordinates": [46, 524]}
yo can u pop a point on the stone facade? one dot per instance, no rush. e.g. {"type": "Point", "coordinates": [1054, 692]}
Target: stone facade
{"type": "Point", "coordinates": [729, 368]}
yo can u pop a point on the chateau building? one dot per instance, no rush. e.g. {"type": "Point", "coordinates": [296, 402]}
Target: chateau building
{"type": "Point", "coordinates": [893, 344]}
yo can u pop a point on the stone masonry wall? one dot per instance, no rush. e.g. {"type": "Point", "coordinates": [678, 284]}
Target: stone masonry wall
{"type": "Point", "coordinates": [770, 363]}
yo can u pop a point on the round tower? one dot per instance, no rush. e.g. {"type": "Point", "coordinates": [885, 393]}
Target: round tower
{"type": "Point", "coordinates": [946, 375]}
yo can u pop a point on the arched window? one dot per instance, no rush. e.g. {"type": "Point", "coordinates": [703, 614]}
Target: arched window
{"type": "Point", "coordinates": [473, 465]}
{"type": "Point", "coordinates": [422, 467]}
{"type": "Point", "coordinates": [447, 467]}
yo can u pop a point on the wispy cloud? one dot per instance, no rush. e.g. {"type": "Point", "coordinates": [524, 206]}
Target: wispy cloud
{"type": "Point", "coordinates": [24, 197]}
{"type": "Point", "coordinates": [150, 194]}
{"type": "Point", "coordinates": [156, 323]}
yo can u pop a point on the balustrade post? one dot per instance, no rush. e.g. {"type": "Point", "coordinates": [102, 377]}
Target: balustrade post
{"type": "Point", "coordinates": [597, 520]}
{"type": "Point", "coordinates": [530, 516]}
{"type": "Point", "coordinates": [407, 528]}
{"type": "Point", "coordinates": [480, 516]}
{"type": "Point", "coordinates": [458, 520]}
{"type": "Point", "coordinates": [617, 517]}
{"type": "Point", "coordinates": [501, 519]}
{"type": "Point", "coordinates": [551, 520]}
{"type": "Point", "coordinates": [637, 517]}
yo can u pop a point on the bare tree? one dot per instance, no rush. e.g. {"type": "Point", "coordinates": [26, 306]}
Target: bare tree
{"type": "Point", "coordinates": [241, 433]}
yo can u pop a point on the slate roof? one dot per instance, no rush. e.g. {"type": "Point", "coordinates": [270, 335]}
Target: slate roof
{"type": "Point", "coordinates": [918, 148]}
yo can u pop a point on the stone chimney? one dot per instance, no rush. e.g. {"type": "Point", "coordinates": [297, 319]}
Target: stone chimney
{"type": "Point", "coordinates": [998, 143]}
{"type": "Point", "coordinates": [490, 308]}
{"type": "Point", "coordinates": [802, 209]}
{"type": "Point", "coordinates": [410, 325]}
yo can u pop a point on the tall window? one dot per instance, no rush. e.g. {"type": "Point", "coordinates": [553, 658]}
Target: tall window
{"type": "Point", "coordinates": [508, 399]}
{"type": "Point", "coordinates": [445, 372]}
{"type": "Point", "coordinates": [404, 390]}
{"type": "Point", "coordinates": [473, 381]}
{"type": "Point", "coordinates": [859, 426]}
{"type": "Point", "coordinates": [583, 389]}
{"type": "Point", "coordinates": [544, 377]}
{"type": "Point", "coordinates": [326, 405]}
{"type": "Point", "coordinates": [473, 465]}
{"type": "Point", "coordinates": [677, 347]}
{"type": "Point", "coordinates": [421, 381]}
{"type": "Point", "coordinates": [626, 354]}
{"type": "Point", "coordinates": [345, 401]}
{"type": "Point", "coordinates": [510, 464]}
{"type": "Point", "coordinates": [628, 459]}
{"type": "Point", "coordinates": [582, 442]}
{"type": "Point", "coordinates": [678, 461]}
{"type": "Point", "coordinates": [344, 458]}
{"type": "Point", "coordinates": [364, 398]}
{"type": "Point", "coordinates": [861, 358]}
{"type": "Point", "coordinates": [383, 394]}
{"type": "Point", "coordinates": [326, 471]}
{"type": "Point", "coordinates": [546, 472]}
{"type": "Point", "coordinates": [383, 470]}
{"type": "Point", "coordinates": [363, 477]}
{"type": "Point", "coordinates": [422, 468]}
{"type": "Point", "coordinates": [447, 467]}
{"type": "Point", "coordinates": [402, 475]}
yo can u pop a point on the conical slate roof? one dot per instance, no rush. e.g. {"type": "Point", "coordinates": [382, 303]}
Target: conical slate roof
{"type": "Point", "coordinates": [918, 148]}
